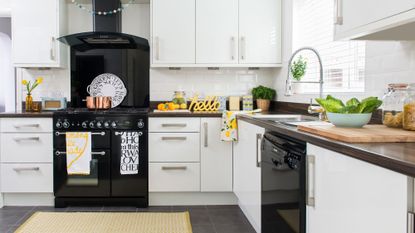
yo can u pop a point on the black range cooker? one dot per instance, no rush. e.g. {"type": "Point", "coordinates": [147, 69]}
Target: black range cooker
{"type": "Point", "coordinates": [118, 173]}
{"type": "Point", "coordinates": [114, 179]}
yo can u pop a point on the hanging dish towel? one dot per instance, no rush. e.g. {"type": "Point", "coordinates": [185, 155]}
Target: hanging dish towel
{"type": "Point", "coordinates": [78, 153]}
{"type": "Point", "coordinates": [229, 130]}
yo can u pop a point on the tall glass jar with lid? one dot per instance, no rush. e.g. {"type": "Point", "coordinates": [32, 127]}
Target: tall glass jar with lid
{"type": "Point", "coordinates": [392, 107]}
{"type": "Point", "coordinates": [409, 109]}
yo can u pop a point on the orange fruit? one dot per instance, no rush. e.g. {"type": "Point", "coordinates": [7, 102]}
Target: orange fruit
{"type": "Point", "coordinates": [171, 106]}
{"type": "Point", "coordinates": [161, 107]}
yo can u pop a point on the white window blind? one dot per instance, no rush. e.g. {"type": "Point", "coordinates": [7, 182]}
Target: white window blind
{"type": "Point", "coordinates": [343, 61]}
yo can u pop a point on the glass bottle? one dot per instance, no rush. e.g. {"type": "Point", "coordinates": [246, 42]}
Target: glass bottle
{"type": "Point", "coordinates": [179, 99]}
{"type": "Point", "coordinates": [409, 109]}
{"type": "Point", "coordinates": [392, 107]}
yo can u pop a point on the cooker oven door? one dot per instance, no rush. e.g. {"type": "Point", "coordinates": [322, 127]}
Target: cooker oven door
{"type": "Point", "coordinates": [97, 183]}
{"type": "Point", "coordinates": [129, 176]}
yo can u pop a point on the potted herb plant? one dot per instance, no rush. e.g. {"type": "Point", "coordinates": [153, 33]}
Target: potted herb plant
{"type": "Point", "coordinates": [263, 96]}
{"type": "Point", "coordinates": [298, 68]}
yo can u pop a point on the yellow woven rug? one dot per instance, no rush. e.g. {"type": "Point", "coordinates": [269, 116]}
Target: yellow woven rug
{"type": "Point", "coordinates": [90, 222]}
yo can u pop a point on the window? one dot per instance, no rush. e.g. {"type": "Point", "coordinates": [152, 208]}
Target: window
{"type": "Point", "coordinates": [343, 61]}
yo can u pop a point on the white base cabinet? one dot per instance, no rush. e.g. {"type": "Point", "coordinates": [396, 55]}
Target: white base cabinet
{"type": "Point", "coordinates": [353, 196]}
{"type": "Point", "coordinates": [247, 173]}
{"type": "Point", "coordinates": [187, 155]}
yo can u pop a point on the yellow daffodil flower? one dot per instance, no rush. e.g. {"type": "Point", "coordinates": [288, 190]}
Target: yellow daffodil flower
{"type": "Point", "coordinates": [39, 80]}
{"type": "Point", "coordinates": [24, 82]}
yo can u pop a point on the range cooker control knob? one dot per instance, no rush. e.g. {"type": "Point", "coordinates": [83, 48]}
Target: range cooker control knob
{"type": "Point", "coordinates": [91, 124]}
{"type": "Point", "coordinates": [85, 124]}
{"type": "Point", "coordinates": [58, 125]}
{"type": "Point", "coordinates": [99, 124]}
{"type": "Point", "coordinates": [114, 124]}
{"type": "Point", "coordinates": [107, 124]}
{"type": "Point", "coordinates": [66, 124]}
{"type": "Point", "coordinates": [140, 124]}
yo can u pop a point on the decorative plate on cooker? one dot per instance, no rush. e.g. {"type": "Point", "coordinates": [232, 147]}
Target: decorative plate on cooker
{"type": "Point", "coordinates": [108, 84]}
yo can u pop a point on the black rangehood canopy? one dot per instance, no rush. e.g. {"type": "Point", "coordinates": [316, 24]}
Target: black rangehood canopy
{"type": "Point", "coordinates": [107, 31]}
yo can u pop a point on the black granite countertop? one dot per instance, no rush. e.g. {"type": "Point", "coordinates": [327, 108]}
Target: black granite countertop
{"type": "Point", "coordinates": [25, 114]}
{"type": "Point", "coordinates": [399, 157]}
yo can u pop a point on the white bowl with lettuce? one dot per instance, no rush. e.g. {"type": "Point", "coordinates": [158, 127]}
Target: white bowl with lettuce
{"type": "Point", "coordinates": [353, 114]}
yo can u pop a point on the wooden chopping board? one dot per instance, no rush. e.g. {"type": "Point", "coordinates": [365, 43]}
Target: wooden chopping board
{"type": "Point", "coordinates": [369, 133]}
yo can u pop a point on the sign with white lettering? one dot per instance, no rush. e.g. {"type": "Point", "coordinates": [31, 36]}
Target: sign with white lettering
{"type": "Point", "coordinates": [130, 152]}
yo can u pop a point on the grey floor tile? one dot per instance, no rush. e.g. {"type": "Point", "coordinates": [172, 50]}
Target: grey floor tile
{"type": "Point", "coordinates": [203, 229]}
{"type": "Point", "coordinates": [234, 228]}
{"type": "Point", "coordinates": [155, 209]}
{"type": "Point", "coordinates": [119, 209]}
{"type": "Point", "coordinates": [11, 217]}
{"type": "Point", "coordinates": [4, 228]}
{"type": "Point", "coordinates": [228, 216]}
{"type": "Point", "coordinates": [85, 209]}
{"type": "Point", "coordinates": [199, 217]}
{"type": "Point", "coordinates": [49, 209]}
{"type": "Point", "coordinates": [189, 208]}
{"type": "Point", "coordinates": [12, 229]}
{"type": "Point", "coordinates": [16, 208]}
{"type": "Point", "coordinates": [223, 207]}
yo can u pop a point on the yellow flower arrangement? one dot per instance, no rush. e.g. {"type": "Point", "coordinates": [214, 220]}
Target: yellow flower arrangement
{"type": "Point", "coordinates": [31, 86]}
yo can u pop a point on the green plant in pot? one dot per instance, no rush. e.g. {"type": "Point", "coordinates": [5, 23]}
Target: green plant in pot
{"type": "Point", "coordinates": [353, 114]}
{"type": "Point", "coordinates": [263, 96]}
{"type": "Point", "coordinates": [298, 68]}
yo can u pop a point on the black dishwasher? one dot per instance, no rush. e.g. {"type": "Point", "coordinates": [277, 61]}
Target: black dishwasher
{"type": "Point", "coordinates": [283, 172]}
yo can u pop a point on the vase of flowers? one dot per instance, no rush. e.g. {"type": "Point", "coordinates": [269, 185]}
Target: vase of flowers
{"type": "Point", "coordinates": [30, 86]}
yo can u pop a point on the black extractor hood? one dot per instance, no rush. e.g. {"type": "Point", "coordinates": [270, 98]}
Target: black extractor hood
{"type": "Point", "coordinates": [107, 31]}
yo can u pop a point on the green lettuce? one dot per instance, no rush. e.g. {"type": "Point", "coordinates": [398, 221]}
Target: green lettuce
{"type": "Point", "coordinates": [352, 106]}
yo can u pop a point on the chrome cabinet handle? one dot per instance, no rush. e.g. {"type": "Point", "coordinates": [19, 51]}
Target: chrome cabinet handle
{"type": "Point", "coordinates": [206, 139]}
{"type": "Point", "coordinates": [310, 180]}
{"type": "Point", "coordinates": [52, 49]}
{"type": "Point", "coordinates": [27, 139]}
{"type": "Point", "coordinates": [157, 47]}
{"type": "Point", "coordinates": [410, 222]}
{"type": "Point", "coordinates": [20, 169]}
{"type": "Point", "coordinates": [243, 48]}
{"type": "Point", "coordinates": [173, 138]}
{"type": "Point", "coordinates": [27, 126]}
{"type": "Point", "coordinates": [258, 139]}
{"type": "Point", "coordinates": [233, 48]}
{"type": "Point", "coordinates": [174, 125]}
{"type": "Point", "coordinates": [166, 168]}
{"type": "Point", "coordinates": [92, 153]}
{"type": "Point", "coordinates": [338, 12]}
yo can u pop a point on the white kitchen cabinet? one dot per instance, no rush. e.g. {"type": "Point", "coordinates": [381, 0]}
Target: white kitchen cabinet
{"type": "Point", "coordinates": [36, 25]}
{"type": "Point", "coordinates": [216, 158]}
{"type": "Point", "coordinates": [174, 177]}
{"type": "Point", "coordinates": [217, 31]}
{"type": "Point", "coordinates": [174, 147]}
{"type": "Point", "coordinates": [353, 196]}
{"type": "Point", "coordinates": [247, 172]}
{"type": "Point", "coordinates": [260, 32]}
{"type": "Point", "coordinates": [371, 19]}
{"type": "Point", "coordinates": [173, 32]}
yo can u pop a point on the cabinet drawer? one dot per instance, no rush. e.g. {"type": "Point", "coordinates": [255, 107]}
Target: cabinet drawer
{"type": "Point", "coordinates": [174, 177]}
{"type": "Point", "coordinates": [176, 124]}
{"type": "Point", "coordinates": [174, 147]}
{"type": "Point", "coordinates": [26, 125]}
{"type": "Point", "coordinates": [26, 147]}
{"type": "Point", "coordinates": [31, 178]}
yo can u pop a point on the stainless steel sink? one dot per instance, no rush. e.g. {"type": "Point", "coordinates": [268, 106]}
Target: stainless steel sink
{"type": "Point", "coordinates": [287, 119]}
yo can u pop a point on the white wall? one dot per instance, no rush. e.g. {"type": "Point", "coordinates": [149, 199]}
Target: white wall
{"type": "Point", "coordinates": [386, 62]}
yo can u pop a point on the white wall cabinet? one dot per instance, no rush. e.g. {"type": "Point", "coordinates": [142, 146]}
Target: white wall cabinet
{"type": "Point", "coordinates": [217, 31]}
{"type": "Point", "coordinates": [173, 32]}
{"type": "Point", "coordinates": [247, 173]}
{"type": "Point", "coordinates": [361, 20]}
{"type": "Point", "coordinates": [260, 32]}
{"type": "Point", "coordinates": [36, 25]}
{"type": "Point", "coordinates": [353, 196]}
{"type": "Point", "coordinates": [214, 33]}
{"type": "Point", "coordinates": [216, 158]}
{"type": "Point", "coordinates": [186, 155]}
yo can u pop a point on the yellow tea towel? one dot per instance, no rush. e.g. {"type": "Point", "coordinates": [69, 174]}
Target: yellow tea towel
{"type": "Point", "coordinates": [229, 131]}
{"type": "Point", "coordinates": [78, 153]}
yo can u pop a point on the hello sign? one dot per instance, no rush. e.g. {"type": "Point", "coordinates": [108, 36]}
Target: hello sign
{"type": "Point", "coordinates": [209, 104]}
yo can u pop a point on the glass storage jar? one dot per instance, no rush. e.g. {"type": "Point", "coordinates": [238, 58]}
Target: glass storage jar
{"type": "Point", "coordinates": [392, 107]}
{"type": "Point", "coordinates": [409, 109]}
{"type": "Point", "coordinates": [179, 99]}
